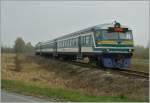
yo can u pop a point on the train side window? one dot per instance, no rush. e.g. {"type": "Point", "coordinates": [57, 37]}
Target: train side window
{"type": "Point", "coordinates": [75, 42]}
{"type": "Point", "coordinates": [91, 39]}
{"type": "Point", "coordinates": [87, 39]}
{"type": "Point", "coordinates": [81, 39]}
{"type": "Point", "coordinates": [71, 42]}
{"type": "Point", "coordinates": [64, 43]}
{"type": "Point", "coordinates": [84, 40]}
{"type": "Point", "coordinates": [61, 44]}
{"type": "Point", "coordinates": [68, 42]}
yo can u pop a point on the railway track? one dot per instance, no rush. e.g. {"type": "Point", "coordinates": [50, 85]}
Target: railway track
{"type": "Point", "coordinates": [127, 72]}
{"type": "Point", "coordinates": [135, 73]}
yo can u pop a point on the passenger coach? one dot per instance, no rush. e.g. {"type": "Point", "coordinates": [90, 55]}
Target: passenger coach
{"type": "Point", "coordinates": [110, 45]}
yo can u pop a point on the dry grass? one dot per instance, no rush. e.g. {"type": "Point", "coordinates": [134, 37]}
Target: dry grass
{"type": "Point", "coordinates": [30, 72]}
{"type": "Point", "coordinates": [92, 81]}
{"type": "Point", "coordinates": [140, 64]}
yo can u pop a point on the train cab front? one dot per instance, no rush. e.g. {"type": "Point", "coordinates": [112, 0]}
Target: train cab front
{"type": "Point", "coordinates": [116, 46]}
{"type": "Point", "coordinates": [116, 60]}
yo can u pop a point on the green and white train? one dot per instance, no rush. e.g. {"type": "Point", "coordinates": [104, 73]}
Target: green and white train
{"type": "Point", "coordinates": [110, 45]}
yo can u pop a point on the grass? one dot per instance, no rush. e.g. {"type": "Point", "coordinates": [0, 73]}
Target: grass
{"type": "Point", "coordinates": [60, 93]}
{"type": "Point", "coordinates": [140, 64]}
{"type": "Point", "coordinates": [38, 77]}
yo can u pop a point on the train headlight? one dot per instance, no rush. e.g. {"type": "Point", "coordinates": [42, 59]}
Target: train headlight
{"type": "Point", "coordinates": [130, 50]}
{"type": "Point", "coordinates": [107, 50]}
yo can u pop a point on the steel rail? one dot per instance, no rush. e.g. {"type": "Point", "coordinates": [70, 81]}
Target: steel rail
{"type": "Point", "coordinates": [122, 71]}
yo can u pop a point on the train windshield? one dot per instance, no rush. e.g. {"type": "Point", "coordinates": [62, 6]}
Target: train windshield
{"type": "Point", "coordinates": [110, 36]}
{"type": "Point", "coordinates": [114, 35]}
{"type": "Point", "coordinates": [127, 35]}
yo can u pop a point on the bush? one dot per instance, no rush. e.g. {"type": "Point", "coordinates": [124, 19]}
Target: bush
{"type": "Point", "coordinates": [17, 63]}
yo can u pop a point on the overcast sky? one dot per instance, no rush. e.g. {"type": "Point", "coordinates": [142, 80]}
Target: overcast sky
{"type": "Point", "coordinates": [36, 21]}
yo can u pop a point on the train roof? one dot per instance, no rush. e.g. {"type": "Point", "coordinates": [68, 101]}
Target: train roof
{"type": "Point", "coordinates": [106, 26]}
{"type": "Point", "coordinates": [100, 26]}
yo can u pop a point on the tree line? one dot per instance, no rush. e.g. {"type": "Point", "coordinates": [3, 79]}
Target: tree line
{"type": "Point", "coordinates": [20, 47]}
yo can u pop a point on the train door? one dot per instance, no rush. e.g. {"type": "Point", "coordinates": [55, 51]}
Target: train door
{"type": "Point", "coordinates": [79, 44]}
{"type": "Point", "coordinates": [79, 56]}
{"type": "Point", "coordinates": [55, 49]}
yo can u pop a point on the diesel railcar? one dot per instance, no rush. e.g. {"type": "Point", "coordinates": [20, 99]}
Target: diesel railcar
{"type": "Point", "coordinates": [110, 45]}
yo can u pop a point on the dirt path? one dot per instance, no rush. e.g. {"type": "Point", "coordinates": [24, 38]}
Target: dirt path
{"type": "Point", "coordinates": [7, 96]}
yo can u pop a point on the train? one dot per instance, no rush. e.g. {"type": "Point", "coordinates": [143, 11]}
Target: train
{"type": "Point", "coordinates": [109, 45]}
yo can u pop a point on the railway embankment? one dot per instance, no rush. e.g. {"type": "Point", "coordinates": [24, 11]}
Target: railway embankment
{"type": "Point", "coordinates": [44, 77]}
